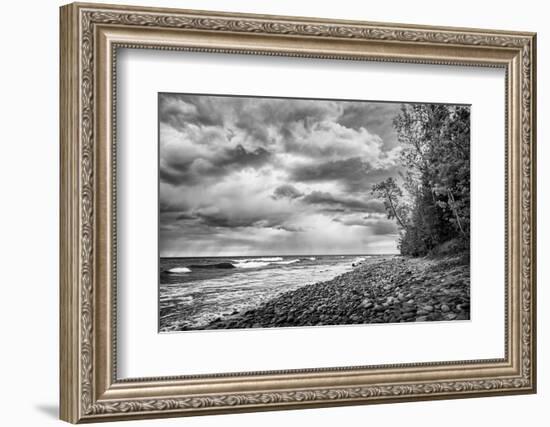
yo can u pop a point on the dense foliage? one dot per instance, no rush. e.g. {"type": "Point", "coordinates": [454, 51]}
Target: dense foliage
{"type": "Point", "coordinates": [431, 203]}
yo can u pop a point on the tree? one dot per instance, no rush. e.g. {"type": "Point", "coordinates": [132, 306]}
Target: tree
{"type": "Point", "coordinates": [390, 192]}
{"type": "Point", "coordinates": [435, 142]}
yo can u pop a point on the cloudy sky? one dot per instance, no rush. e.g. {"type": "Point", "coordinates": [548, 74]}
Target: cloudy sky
{"type": "Point", "coordinates": [266, 176]}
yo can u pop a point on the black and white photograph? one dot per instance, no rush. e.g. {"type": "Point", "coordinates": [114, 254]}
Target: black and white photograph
{"type": "Point", "coordinates": [286, 212]}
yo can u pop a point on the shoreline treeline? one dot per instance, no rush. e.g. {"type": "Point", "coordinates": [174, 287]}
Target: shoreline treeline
{"type": "Point", "coordinates": [431, 203]}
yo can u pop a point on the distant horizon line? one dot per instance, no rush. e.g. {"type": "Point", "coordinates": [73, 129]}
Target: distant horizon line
{"type": "Point", "coordinates": [277, 255]}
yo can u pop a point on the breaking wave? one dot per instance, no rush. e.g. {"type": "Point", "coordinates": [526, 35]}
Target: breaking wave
{"type": "Point", "coordinates": [179, 270]}
{"type": "Point", "coordinates": [268, 259]}
{"type": "Point", "coordinates": [262, 262]}
{"type": "Point", "coordinates": [241, 263]}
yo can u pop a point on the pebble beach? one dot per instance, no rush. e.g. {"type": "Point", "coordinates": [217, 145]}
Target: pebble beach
{"type": "Point", "coordinates": [388, 289]}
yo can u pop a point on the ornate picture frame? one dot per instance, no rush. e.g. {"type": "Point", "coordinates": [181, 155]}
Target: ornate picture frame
{"type": "Point", "coordinates": [90, 37]}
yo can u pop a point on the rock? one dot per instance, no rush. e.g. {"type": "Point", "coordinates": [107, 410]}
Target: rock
{"type": "Point", "coordinates": [411, 301]}
{"type": "Point", "coordinates": [422, 318]}
{"type": "Point", "coordinates": [463, 307]}
{"type": "Point", "coordinates": [451, 316]}
{"type": "Point", "coordinates": [366, 303]}
{"type": "Point", "coordinates": [428, 308]}
{"type": "Point", "coordinates": [445, 308]}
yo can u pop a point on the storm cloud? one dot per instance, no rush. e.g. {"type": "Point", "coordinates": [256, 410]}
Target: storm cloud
{"type": "Point", "coordinates": [286, 190]}
{"type": "Point", "coordinates": [345, 202]}
{"type": "Point", "coordinates": [250, 176]}
{"type": "Point", "coordinates": [192, 171]}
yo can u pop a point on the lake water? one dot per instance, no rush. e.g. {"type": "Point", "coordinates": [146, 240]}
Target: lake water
{"type": "Point", "coordinates": [195, 291]}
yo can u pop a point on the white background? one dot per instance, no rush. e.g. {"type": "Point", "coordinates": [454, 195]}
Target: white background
{"type": "Point", "coordinates": [29, 173]}
{"type": "Point", "coordinates": [141, 348]}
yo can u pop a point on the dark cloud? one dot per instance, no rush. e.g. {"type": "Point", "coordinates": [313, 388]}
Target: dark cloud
{"type": "Point", "coordinates": [215, 217]}
{"type": "Point", "coordinates": [219, 219]}
{"type": "Point", "coordinates": [185, 216]}
{"type": "Point", "coordinates": [376, 117]}
{"type": "Point", "coordinates": [345, 202]}
{"type": "Point", "coordinates": [353, 170]}
{"type": "Point", "coordinates": [291, 228]}
{"type": "Point", "coordinates": [287, 191]}
{"type": "Point", "coordinates": [191, 171]}
{"type": "Point", "coordinates": [354, 173]}
{"type": "Point", "coordinates": [379, 226]}
{"type": "Point", "coordinates": [180, 111]}
{"type": "Point", "coordinates": [258, 116]}
{"type": "Point", "coordinates": [172, 206]}
{"type": "Point", "coordinates": [240, 157]}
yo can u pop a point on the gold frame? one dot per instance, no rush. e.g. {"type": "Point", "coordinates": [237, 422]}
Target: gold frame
{"type": "Point", "coordinates": [90, 35]}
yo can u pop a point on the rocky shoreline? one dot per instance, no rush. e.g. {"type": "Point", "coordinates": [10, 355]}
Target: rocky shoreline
{"type": "Point", "coordinates": [388, 289]}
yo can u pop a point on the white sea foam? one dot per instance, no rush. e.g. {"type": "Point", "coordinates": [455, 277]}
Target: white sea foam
{"type": "Point", "coordinates": [288, 261]}
{"type": "Point", "coordinates": [179, 270]}
{"type": "Point", "coordinates": [268, 259]}
{"type": "Point", "coordinates": [250, 264]}
{"type": "Point", "coordinates": [262, 262]}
